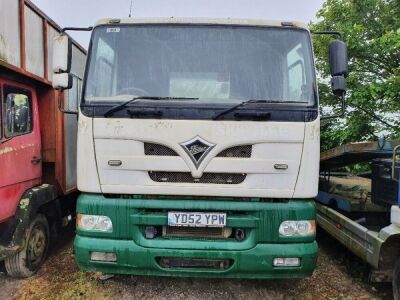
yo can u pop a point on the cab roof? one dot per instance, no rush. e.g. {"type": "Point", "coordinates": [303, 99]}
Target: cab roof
{"type": "Point", "coordinates": [204, 21]}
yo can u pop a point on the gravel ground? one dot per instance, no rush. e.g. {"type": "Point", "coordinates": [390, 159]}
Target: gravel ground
{"type": "Point", "coordinates": [338, 276]}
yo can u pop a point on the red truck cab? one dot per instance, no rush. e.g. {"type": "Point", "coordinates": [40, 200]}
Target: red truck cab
{"type": "Point", "coordinates": [37, 141]}
{"type": "Point", "coordinates": [20, 148]}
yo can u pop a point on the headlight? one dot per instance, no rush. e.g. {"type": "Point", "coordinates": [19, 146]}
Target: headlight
{"type": "Point", "coordinates": [297, 228]}
{"type": "Point", "coordinates": [94, 223]}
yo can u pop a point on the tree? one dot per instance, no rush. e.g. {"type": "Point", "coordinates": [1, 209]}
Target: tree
{"type": "Point", "coordinates": [371, 31]}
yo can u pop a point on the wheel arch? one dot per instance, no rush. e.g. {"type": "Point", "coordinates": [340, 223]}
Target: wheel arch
{"type": "Point", "coordinates": [41, 199]}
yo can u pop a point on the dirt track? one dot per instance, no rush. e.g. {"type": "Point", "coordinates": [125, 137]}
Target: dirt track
{"type": "Point", "coordinates": [339, 275]}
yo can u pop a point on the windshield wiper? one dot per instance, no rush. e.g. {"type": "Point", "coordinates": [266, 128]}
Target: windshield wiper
{"type": "Point", "coordinates": [121, 106]}
{"type": "Point", "coordinates": [228, 110]}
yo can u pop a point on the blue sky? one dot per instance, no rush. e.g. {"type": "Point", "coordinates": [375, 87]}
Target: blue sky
{"type": "Point", "coordinates": [87, 12]}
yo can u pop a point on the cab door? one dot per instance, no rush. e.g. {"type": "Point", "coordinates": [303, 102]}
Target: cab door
{"type": "Point", "coordinates": [20, 148]}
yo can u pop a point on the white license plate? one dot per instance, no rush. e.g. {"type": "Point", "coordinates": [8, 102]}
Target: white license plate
{"type": "Point", "coordinates": [196, 219]}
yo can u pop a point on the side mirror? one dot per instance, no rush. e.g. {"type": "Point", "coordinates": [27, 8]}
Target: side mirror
{"type": "Point", "coordinates": [338, 85]}
{"type": "Point", "coordinates": [338, 58]}
{"type": "Point", "coordinates": [62, 60]}
{"type": "Point", "coordinates": [62, 54]}
{"type": "Point", "coordinates": [338, 69]}
{"type": "Point", "coordinates": [338, 66]}
{"type": "Point", "coordinates": [62, 81]}
{"type": "Point", "coordinates": [69, 103]}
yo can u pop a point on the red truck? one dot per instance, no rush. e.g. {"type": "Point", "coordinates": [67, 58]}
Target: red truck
{"type": "Point", "coordinates": [37, 141]}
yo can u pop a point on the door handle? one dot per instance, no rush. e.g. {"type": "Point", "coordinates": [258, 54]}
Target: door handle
{"type": "Point", "coordinates": [35, 160]}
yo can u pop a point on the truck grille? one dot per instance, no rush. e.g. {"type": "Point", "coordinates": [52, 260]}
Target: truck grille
{"type": "Point", "coordinates": [197, 232]}
{"type": "Point", "coordinates": [194, 263]}
{"type": "Point", "coordinates": [233, 152]}
{"type": "Point", "coordinates": [238, 151]}
{"type": "Point", "coordinates": [186, 177]}
{"type": "Point", "coordinates": [158, 150]}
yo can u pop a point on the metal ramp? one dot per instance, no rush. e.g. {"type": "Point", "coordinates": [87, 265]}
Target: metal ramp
{"type": "Point", "coordinates": [353, 153]}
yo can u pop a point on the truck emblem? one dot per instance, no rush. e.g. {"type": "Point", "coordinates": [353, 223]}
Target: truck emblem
{"type": "Point", "coordinates": [197, 148]}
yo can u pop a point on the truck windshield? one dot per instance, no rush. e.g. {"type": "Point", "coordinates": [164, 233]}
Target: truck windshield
{"type": "Point", "coordinates": [217, 64]}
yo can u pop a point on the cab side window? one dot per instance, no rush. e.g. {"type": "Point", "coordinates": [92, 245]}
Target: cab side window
{"type": "Point", "coordinates": [104, 68]}
{"type": "Point", "coordinates": [17, 105]}
{"type": "Point", "coordinates": [296, 74]}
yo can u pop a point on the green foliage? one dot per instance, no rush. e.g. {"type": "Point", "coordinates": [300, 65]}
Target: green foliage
{"type": "Point", "coordinates": [371, 31]}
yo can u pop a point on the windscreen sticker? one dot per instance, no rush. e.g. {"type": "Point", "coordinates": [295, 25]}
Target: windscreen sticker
{"type": "Point", "coordinates": [113, 29]}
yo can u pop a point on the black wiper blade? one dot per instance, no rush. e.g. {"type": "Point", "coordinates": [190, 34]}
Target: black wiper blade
{"type": "Point", "coordinates": [121, 106]}
{"type": "Point", "coordinates": [228, 110]}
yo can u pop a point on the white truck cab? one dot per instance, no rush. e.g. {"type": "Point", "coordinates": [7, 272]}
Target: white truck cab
{"type": "Point", "coordinates": [198, 147]}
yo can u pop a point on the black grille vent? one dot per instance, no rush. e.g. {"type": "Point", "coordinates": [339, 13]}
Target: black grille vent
{"type": "Point", "coordinates": [238, 151]}
{"type": "Point", "coordinates": [186, 177]}
{"type": "Point", "coordinates": [197, 232]}
{"type": "Point", "coordinates": [158, 150]}
{"type": "Point", "coordinates": [161, 150]}
{"type": "Point", "coordinates": [194, 263]}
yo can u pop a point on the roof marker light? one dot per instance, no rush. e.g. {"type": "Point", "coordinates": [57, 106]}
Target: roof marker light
{"type": "Point", "coordinates": [288, 24]}
{"type": "Point", "coordinates": [114, 21]}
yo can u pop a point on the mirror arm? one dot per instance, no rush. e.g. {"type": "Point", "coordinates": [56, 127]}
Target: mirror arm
{"type": "Point", "coordinates": [338, 33]}
{"type": "Point", "coordinates": [60, 106]}
{"type": "Point", "coordinates": [342, 110]}
{"type": "Point", "coordinates": [76, 29]}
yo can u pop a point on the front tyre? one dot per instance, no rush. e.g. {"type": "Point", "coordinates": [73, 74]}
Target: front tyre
{"type": "Point", "coordinates": [28, 261]}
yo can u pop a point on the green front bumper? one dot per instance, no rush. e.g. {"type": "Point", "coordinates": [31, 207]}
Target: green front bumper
{"type": "Point", "coordinates": [252, 263]}
{"type": "Point", "coordinates": [251, 258]}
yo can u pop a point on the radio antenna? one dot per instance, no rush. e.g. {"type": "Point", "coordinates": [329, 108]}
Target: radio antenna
{"type": "Point", "coordinates": [130, 10]}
